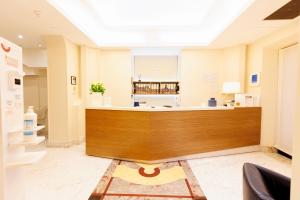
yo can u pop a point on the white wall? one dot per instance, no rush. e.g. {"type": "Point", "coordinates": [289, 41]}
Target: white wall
{"type": "Point", "coordinates": [35, 57]}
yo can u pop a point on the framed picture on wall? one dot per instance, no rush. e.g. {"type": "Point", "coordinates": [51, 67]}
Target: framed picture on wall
{"type": "Point", "coordinates": [254, 79]}
{"type": "Point", "coordinates": [73, 80]}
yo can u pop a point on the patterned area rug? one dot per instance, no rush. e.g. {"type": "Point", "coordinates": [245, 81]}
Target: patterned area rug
{"type": "Point", "coordinates": [128, 180]}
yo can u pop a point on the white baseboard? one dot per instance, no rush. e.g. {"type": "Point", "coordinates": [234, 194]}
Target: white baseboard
{"type": "Point", "coordinates": [240, 150]}
{"type": "Point", "coordinates": [65, 144]}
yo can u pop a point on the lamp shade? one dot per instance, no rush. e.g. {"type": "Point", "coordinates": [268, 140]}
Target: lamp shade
{"type": "Point", "coordinates": [231, 87]}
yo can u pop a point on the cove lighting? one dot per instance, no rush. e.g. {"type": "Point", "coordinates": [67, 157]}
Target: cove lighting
{"type": "Point", "coordinates": [115, 13]}
{"type": "Point", "coordinates": [151, 23]}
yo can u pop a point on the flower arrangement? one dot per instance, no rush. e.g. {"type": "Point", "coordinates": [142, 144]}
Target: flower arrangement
{"type": "Point", "coordinates": [97, 88]}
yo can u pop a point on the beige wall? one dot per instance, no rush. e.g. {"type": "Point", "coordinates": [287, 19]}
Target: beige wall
{"type": "Point", "coordinates": [113, 68]}
{"type": "Point", "coordinates": [156, 68]}
{"type": "Point", "coordinates": [262, 57]}
{"type": "Point", "coordinates": [35, 90]}
{"type": "Point", "coordinates": [296, 146]}
{"type": "Point", "coordinates": [64, 100]}
{"type": "Point", "coordinates": [200, 77]}
{"type": "Point", "coordinates": [35, 57]}
{"type": "Point", "coordinates": [75, 103]}
{"type": "Point", "coordinates": [255, 52]}
{"type": "Point", "coordinates": [89, 71]}
{"type": "Point", "coordinates": [35, 94]}
{"type": "Point", "coordinates": [115, 72]}
{"type": "Point", "coordinates": [57, 91]}
{"type": "Point", "coordinates": [201, 73]}
{"type": "Point", "coordinates": [234, 65]}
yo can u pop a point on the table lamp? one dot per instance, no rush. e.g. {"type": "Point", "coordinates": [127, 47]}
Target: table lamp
{"type": "Point", "coordinates": [229, 90]}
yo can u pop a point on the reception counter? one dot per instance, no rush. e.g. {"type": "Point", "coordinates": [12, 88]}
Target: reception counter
{"type": "Point", "coordinates": [159, 134]}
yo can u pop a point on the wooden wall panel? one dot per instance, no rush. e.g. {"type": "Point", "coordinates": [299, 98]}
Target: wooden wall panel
{"type": "Point", "coordinates": [150, 136]}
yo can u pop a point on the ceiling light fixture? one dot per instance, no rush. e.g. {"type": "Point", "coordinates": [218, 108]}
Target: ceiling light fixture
{"type": "Point", "coordinates": [20, 36]}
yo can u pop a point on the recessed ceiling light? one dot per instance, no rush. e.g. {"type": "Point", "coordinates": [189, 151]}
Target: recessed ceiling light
{"type": "Point", "coordinates": [20, 36]}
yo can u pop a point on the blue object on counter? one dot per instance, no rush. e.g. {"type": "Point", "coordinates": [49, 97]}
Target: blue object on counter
{"type": "Point", "coordinates": [212, 102]}
{"type": "Point", "coordinates": [28, 133]}
{"type": "Point", "coordinates": [136, 104]}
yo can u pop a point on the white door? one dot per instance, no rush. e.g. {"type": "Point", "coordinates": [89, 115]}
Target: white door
{"type": "Point", "coordinates": [287, 82]}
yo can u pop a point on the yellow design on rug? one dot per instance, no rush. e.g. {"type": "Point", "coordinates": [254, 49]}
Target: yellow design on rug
{"type": "Point", "coordinates": [133, 176]}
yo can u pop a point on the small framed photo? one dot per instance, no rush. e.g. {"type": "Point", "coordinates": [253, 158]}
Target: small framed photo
{"type": "Point", "coordinates": [254, 79]}
{"type": "Point", "coordinates": [73, 80]}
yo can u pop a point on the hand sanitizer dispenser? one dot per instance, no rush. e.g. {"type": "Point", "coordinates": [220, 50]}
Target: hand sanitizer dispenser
{"type": "Point", "coordinates": [30, 122]}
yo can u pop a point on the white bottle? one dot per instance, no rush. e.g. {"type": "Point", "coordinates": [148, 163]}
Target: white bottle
{"type": "Point", "coordinates": [30, 122]}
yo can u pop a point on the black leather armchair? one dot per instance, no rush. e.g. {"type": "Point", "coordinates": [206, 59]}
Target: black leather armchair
{"type": "Point", "coordinates": [260, 183]}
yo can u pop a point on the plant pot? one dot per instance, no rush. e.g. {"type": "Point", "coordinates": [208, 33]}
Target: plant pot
{"type": "Point", "coordinates": [106, 101]}
{"type": "Point", "coordinates": [96, 99]}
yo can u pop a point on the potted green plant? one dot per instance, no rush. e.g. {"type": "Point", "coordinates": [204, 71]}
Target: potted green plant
{"type": "Point", "coordinates": [97, 91]}
{"type": "Point", "coordinates": [97, 88]}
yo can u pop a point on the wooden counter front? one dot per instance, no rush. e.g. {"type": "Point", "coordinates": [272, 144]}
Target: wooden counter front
{"type": "Point", "coordinates": [150, 136]}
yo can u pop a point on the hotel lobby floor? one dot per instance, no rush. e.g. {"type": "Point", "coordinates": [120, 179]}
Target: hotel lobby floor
{"type": "Point", "coordinates": [68, 174]}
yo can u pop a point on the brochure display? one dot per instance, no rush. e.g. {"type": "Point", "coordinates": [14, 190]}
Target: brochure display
{"type": "Point", "coordinates": [13, 153]}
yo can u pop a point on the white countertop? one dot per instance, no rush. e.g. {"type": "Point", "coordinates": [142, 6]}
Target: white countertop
{"type": "Point", "coordinates": [184, 108]}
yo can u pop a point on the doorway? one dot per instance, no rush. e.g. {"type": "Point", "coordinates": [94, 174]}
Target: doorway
{"type": "Point", "coordinates": [287, 90]}
{"type": "Point", "coordinates": [35, 94]}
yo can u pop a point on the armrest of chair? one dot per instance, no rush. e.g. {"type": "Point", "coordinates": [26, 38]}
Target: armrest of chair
{"type": "Point", "coordinates": [254, 187]}
{"type": "Point", "coordinates": [263, 184]}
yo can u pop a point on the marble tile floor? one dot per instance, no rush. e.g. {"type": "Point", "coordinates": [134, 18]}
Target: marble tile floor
{"type": "Point", "coordinates": [68, 174]}
{"type": "Point", "coordinates": [221, 177]}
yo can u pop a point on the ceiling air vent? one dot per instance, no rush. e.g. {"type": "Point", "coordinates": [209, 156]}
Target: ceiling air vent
{"type": "Point", "coordinates": [290, 10]}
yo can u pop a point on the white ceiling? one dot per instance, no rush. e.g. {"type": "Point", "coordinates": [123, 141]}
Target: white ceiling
{"type": "Point", "coordinates": [150, 13]}
{"type": "Point", "coordinates": [120, 26]}
{"type": "Point", "coordinates": [250, 25]}
{"type": "Point", "coordinates": [144, 23]}
{"type": "Point", "coordinates": [33, 19]}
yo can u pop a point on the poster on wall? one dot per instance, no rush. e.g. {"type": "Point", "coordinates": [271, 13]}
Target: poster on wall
{"type": "Point", "coordinates": [73, 80]}
{"type": "Point", "coordinates": [254, 79]}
